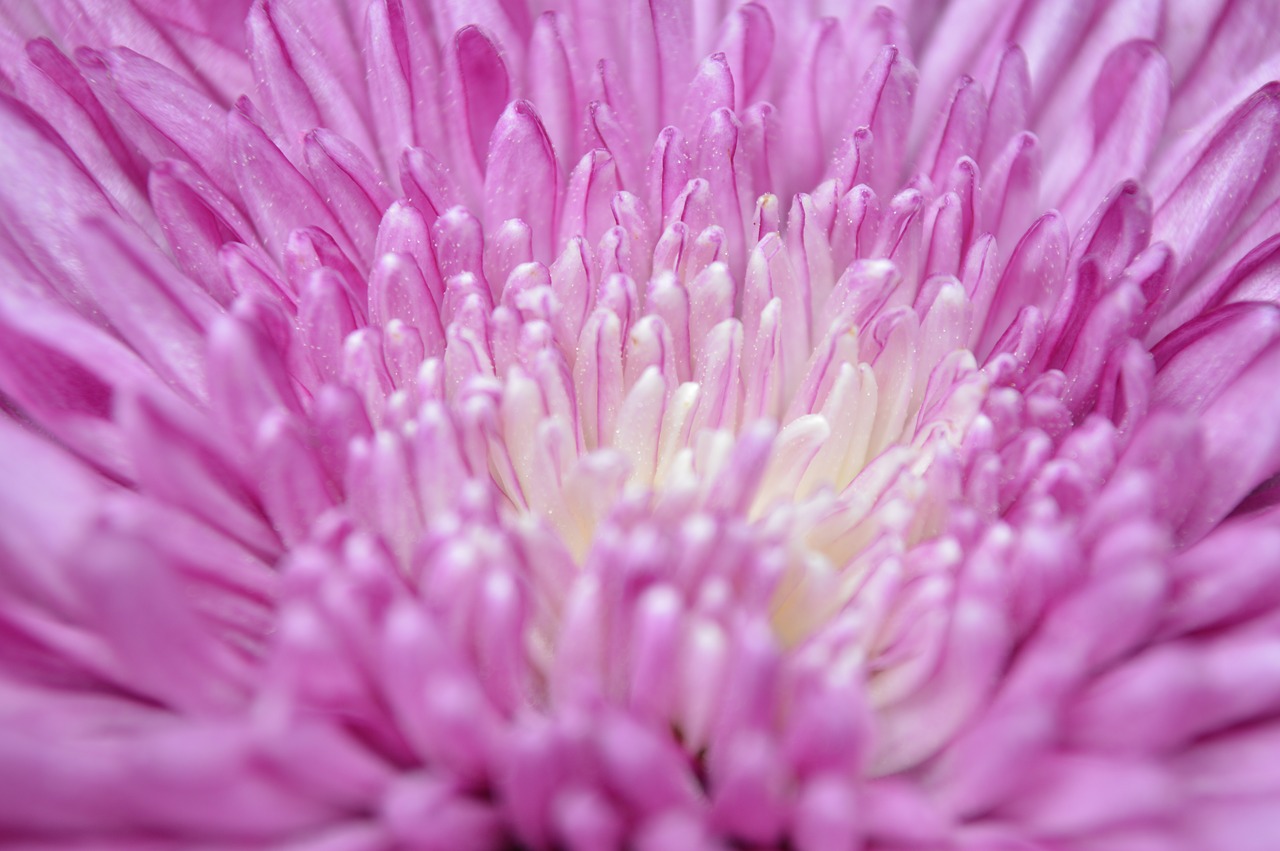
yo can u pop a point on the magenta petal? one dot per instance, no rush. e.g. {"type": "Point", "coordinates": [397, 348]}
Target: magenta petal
{"type": "Point", "coordinates": [210, 57]}
{"type": "Point", "coordinates": [1242, 822]}
{"type": "Point", "coordinates": [286, 93]}
{"type": "Point", "coordinates": [1128, 107]}
{"type": "Point", "coordinates": [57, 90]}
{"type": "Point", "coordinates": [667, 424]}
{"type": "Point", "coordinates": [247, 376]}
{"type": "Point", "coordinates": [668, 172]}
{"type": "Point", "coordinates": [1117, 231]}
{"type": "Point", "coordinates": [196, 220]}
{"type": "Point", "coordinates": [1187, 689]}
{"type": "Point", "coordinates": [64, 373]}
{"type": "Point", "coordinates": [717, 147]}
{"type": "Point", "coordinates": [1101, 338]}
{"type": "Point", "coordinates": [37, 164]}
{"type": "Point", "coordinates": [587, 821]}
{"type": "Point", "coordinates": [960, 133]}
{"type": "Point", "coordinates": [1255, 278]}
{"type": "Point", "coordinates": [592, 186]}
{"type": "Point", "coordinates": [1113, 25]}
{"type": "Point", "coordinates": [718, 374]}
{"type": "Point", "coordinates": [551, 82]}
{"type": "Point", "coordinates": [509, 22]}
{"type": "Point", "coordinates": [192, 471]}
{"type": "Point", "coordinates": [215, 767]}
{"type": "Point", "coordinates": [823, 819]}
{"type": "Point", "coordinates": [629, 752]}
{"type": "Point", "coordinates": [167, 653]}
{"type": "Point", "coordinates": [670, 303]}
{"type": "Point", "coordinates": [400, 56]}
{"type": "Point", "coordinates": [748, 801]}
{"type": "Point", "coordinates": [37, 472]}
{"type": "Point", "coordinates": [1011, 189]}
{"type": "Point", "coordinates": [897, 813]}
{"type": "Point", "coordinates": [975, 37]}
{"type": "Point", "coordinates": [458, 238]}
{"type": "Point", "coordinates": [598, 376]}
{"type": "Point", "coordinates": [527, 290]}
{"type": "Point", "coordinates": [232, 590]}
{"type": "Point", "coordinates": [349, 185]}
{"type": "Point", "coordinates": [426, 183]}
{"type": "Point", "coordinates": [884, 106]}
{"type": "Point", "coordinates": [1216, 176]}
{"type": "Point", "coordinates": [748, 43]}
{"type": "Point", "coordinates": [317, 64]}
{"type": "Point", "coordinates": [521, 177]}
{"type": "Point", "coordinates": [1009, 104]}
{"type": "Point", "coordinates": [389, 62]}
{"type": "Point", "coordinates": [294, 488]}
{"type": "Point", "coordinates": [711, 89]}
{"type": "Point", "coordinates": [398, 291]}
{"type": "Point", "coordinates": [1238, 456]}
{"type": "Point", "coordinates": [1199, 360]}
{"type": "Point", "coordinates": [276, 196]}
{"type": "Point", "coordinates": [1034, 277]}
{"type": "Point", "coordinates": [1228, 577]}
{"type": "Point", "coordinates": [175, 110]}
{"type": "Point", "coordinates": [311, 249]}
{"type": "Point", "coordinates": [1073, 795]}
{"type": "Point", "coordinates": [759, 139]}
{"type": "Point", "coordinates": [406, 230]}
{"type": "Point", "coordinates": [337, 419]}
{"type": "Point", "coordinates": [1235, 42]}
{"type": "Point", "coordinates": [250, 272]}
{"type": "Point", "coordinates": [661, 44]}
{"type": "Point", "coordinates": [482, 89]}
{"type": "Point", "coordinates": [160, 312]}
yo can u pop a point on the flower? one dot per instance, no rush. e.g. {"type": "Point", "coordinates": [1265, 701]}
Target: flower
{"type": "Point", "coordinates": [662, 425]}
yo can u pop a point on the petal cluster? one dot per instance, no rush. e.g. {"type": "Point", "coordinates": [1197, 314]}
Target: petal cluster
{"type": "Point", "coordinates": [666, 424]}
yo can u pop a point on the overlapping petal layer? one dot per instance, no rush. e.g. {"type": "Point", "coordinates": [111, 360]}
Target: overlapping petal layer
{"type": "Point", "coordinates": [668, 424]}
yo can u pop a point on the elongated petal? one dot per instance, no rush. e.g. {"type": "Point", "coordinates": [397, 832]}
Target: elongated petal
{"type": "Point", "coordinates": [521, 179]}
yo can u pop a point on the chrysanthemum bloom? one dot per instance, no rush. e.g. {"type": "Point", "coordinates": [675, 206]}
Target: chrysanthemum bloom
{"type": "Point", "coordinates": [653, 425]}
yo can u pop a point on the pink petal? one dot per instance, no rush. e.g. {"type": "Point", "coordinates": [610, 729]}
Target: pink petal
{"type": "Point", "coordinates": [1009, 107]}
{"type": "Point", "coordinates": [551, 82]}
{"type": "Point", "coordinates": [160, 312]}
{"type": "Point", "coordinates": [1238, 456]}
{"type": "Point", "coordinates": [37, 164]}
{"type": "Point", "coordinates": [39, 473]}
{"type": "Point", "coordinates": [172, 108]}
{"type": "Point", "coordinates": [481, 89]}
{"type": "Point", "coordinates": [959, 132]}
{"type": "Point", "coordinates": [1227, 577]}
{"type": "Point", "coordinates": [65, 373]}
{"type": "Point", "coordinates": [661, 46]}
{"type": "Point", "coordinates": [1127, 108]}
{"type": "Point", "coordinates": [57, 91]}
{"type": "Point", "coordinates": [1201, 358]}
{"type": "Point", "coordinates": [885, 107]}
{"type": "Point", "coordinates": [1033, 277]}
{"type": "Point", "coordinates": [193, 471]}
{"type": "Point", "coordinates": [747, 43]}
{"type": "Point", "coordinates": [521, 178]}
{"type": "Point", "coordinates": [276, 196]}
{"type": "Point", "coordinates": [347, 182]}
{"type": "Point", "coordinates": [592, 186]}
{"type": "Point", "coordinates": [196, 220]}
{"type": "Point", "coordinates": [1077, 794]}
{"type": "Point", "coordinates": [1216, 176]}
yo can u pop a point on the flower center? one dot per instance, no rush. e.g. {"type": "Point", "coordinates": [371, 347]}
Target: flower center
{"type": "Point", "coordinates": [806, 403]}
